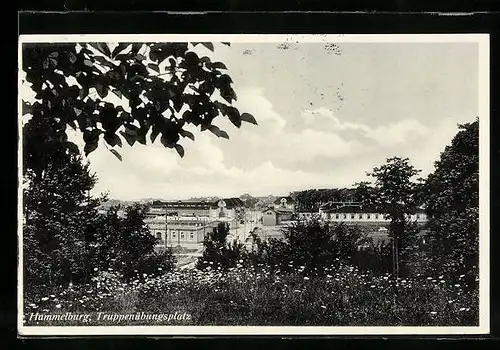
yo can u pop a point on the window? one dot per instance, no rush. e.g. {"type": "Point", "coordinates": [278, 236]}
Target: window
{"type": "Point", "coordinates": [182, 235]}
{"type": "Point", "coordinates": [376, 216]}
{"type": "Point", "coordinates": [368, 216]}
{"type": "Point", "coordinates": [158, 235]}
{"type": "Point", "coordinates": [173, 234]}
{"type": "Point", "coordinates": [345, 216]}
{"type": "Point", "coordinates": [191, 235]}
{"type": "Point", "coordinates": [352, 216]}
{"type": "Point", "coordinates": [418, 216]}
{"type": "Point", "coordinates": [360, 216]}
{"type": "Point", "coordinates": [337, 216]}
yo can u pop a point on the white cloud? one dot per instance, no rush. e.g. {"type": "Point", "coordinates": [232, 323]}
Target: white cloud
{"type": "Point", "coordinates": [322, 115]}
{"type": "Point", "coordinates": [399, 132]}
{"type": "Point", "coordinates": [272, 139]}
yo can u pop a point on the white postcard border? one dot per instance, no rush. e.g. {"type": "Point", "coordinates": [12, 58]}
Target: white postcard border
{"type": "Point", "coordinates": [484, 178]}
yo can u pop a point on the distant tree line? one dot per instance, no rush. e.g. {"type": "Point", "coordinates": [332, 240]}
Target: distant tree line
{"type": "Point", "coordinates": [311, 200]}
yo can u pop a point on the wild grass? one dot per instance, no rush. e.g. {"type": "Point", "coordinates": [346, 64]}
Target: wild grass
{"type": "Point", "coordinates": [344, 296]}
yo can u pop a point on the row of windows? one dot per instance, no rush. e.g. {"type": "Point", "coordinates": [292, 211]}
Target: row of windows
{"type": "Point", "coordinates": [360, 216]}
{"type": "Point", "coordinates": [182, 235]}
{"type": "Point", "coordinates": [185, 223]}
{"type": "Point", "coordinates": [155, 225]}
{"type": "Point", "coordinates": [189, 206]}
{"type": "Point", "coordinates": [353, 216]}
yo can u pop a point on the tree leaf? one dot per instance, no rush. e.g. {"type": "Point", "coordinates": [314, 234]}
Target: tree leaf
{"type": "Point", "coordinates": [101, 89]}
{"type": "Point", "coordinates": [136, 47]}
{"type": "Point", "coordinates": [83, 93]}
{"type": "Point", "coordinates": [117, 92]}
{"type": "Point", "coordinates": [117, 155]}
{"type": "Point", "coordinates": [26, 108]}
{"type": "Point", "coordinates": [101, 47]}
{"type": "Point", "coordinates": [179, 150]}
{"type": "Point", "coordinates": [223, 134]}
{"type": "Point", "coordinates": [72, 148]}
{"type": "Point", "coordinates": [88, 63]}
{"type": "Point", "coordinates": [185, 133]}
{"type": "Point", "coordinates": [209, 46]}
{"type": "Point", "coordinates": [166, 141]}
{"type": "Point", "coordinates": [90, 146]}
{"type": "Point", "coordinates": [72, 124]}
{"type": "Point", "coordinates": [113, 139]}
{"type": "Point", "coordinates": [154, 134]}
{"type": "Point", "coordinates": [154, 67]}
{"type": "Point", "coordinates": [234, 116]}
{"type": "Point", "coordinates": [119, 48]}
{"type": "Point", "coordinates": [104, 61]}
{"type": "Point", "coordinates": [141, 137]}
{"type": "Point", "coordinates": [129, 138]}
{"type": "Point", "coordinates": [247, 117]}
{"type": "Point", "coordinates": [214, 130]}
{"type": "Point", "coordinates": [219, 65]}
{"type": "Point", "coordinates": [71, 57]}
{"type": "Point", "coordinates": [228, 93]}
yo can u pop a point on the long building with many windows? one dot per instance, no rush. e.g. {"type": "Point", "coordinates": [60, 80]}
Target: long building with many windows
{"type": "Point", "coordinates": [358, 213]}
{"type": "Point", "coordinates": [187, 222]}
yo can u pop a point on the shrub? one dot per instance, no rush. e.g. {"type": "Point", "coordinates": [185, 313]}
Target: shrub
{"type": "Point", "coordinates": [310, 244]}
{"type": "Point", "coordinates": [218, 253]}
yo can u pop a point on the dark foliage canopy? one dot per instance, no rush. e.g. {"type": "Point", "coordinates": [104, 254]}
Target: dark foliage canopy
{"type": "Point", "coordinates": [163, 86]}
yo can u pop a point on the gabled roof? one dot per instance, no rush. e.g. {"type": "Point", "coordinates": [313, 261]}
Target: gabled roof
{"type": "Point", "coordinates": [230, 202]}
{"type": "Point", "coordinates": [288, 200]}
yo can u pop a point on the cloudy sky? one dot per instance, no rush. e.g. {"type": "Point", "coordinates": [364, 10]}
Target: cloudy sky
{"type": "Point", "coordinates": [326, 115]}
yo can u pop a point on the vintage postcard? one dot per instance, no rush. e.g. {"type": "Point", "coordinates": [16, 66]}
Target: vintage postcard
{"type": "Point", "coordinates": [253, 184]}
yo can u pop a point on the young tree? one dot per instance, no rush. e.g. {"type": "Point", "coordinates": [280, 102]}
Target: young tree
{"type": "Point", "coordinates": [452, 198]}
{"type": "Point", "coordinates": [64, 237]}
{"type": "Point", "coordinates": [163, 86]}
{"type": "Point", "coordinates": [218, 252]}
{"type": "Point", "coordinates": [395, 194]}
{"type": "Point", "coordinates": [124, 243]}
{"type": "Point", "coordinates": [315, 245]}
{"type": "Point", "coordinates": [57, 209]}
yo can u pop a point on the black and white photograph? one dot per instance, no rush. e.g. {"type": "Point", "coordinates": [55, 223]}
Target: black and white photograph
{"type": "Point", "coordinates": [253, 184]}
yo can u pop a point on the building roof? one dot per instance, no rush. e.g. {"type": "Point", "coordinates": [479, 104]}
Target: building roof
{"type": "Point", "coordinates": [230, 203]}
{"type": "Point", "coordinates": [287, 198]}
{"type": "Point", "coordinates": [279, 211]}
{"type": "Point", "coordinates": [181, 204]}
